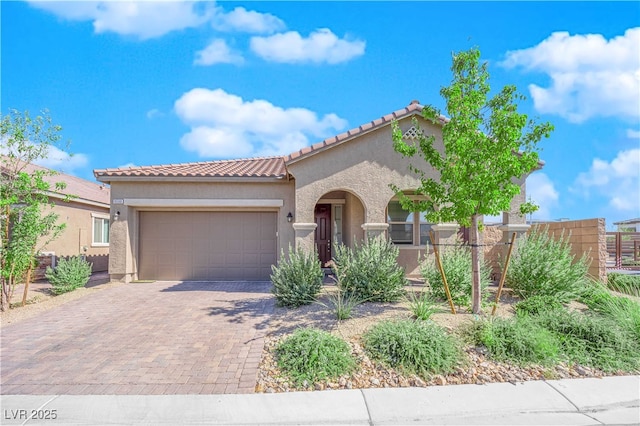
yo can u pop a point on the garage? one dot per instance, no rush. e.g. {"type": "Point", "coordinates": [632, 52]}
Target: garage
{"type": "Point", "coordinates": [205, 245]}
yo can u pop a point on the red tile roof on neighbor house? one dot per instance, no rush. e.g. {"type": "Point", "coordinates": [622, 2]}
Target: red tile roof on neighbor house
{"type": "Point", "coordinates": [82, 190]}
{"type": "Point", "coordinates": [270, 167]}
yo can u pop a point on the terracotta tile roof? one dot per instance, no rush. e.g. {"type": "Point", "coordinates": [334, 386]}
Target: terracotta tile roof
{"type": "Point", "coordinates": [272, 167]}
{"type": "Point", "coordinates": [412, 109]}
{"type": "Point", "coordinates": [80, 188]}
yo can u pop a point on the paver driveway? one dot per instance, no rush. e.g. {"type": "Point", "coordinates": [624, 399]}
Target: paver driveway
{"type": "Point", "coordinates": [142, 338]}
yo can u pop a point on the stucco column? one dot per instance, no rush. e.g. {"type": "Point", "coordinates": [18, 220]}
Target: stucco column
{"type": "Point", "coordinates": [304, 236]}
{"type": "Point", "coordinates": [375, 230]}
{"type": "Point", "coordinates": [513, 216]}
{"type": "Point", "coordinates": [507, 231]}
{"type": "Point", "coordinates": [446, 233]}
{"type": "Point", "coordinates": [120, 252]}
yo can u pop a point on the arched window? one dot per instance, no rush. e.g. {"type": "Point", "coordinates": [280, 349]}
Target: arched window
{"type": "Point", "coordinates": [405, 227]}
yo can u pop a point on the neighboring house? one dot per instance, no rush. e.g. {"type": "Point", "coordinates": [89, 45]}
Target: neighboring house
{"type": "Point", "coordinates": [230, 220]}
{"type": "Point", "coordinates": [629, 225]}
{"type": "Point", "coordinates": [86, 216]}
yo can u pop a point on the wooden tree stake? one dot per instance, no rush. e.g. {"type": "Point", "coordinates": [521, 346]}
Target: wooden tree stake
{"type": "Point", "coordinates": [441, 269]}
{"type": "Point", "coordinates": [504, 274]}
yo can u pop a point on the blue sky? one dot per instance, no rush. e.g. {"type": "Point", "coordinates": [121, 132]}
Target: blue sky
{"type": "Point", "coordinates": [167, 82]}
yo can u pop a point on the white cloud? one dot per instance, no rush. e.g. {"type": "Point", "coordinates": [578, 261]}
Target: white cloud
{"type": "Point", "coordinates": [58, 159]}
{"type": "Point", "coordinates": [618, 181]}
{"type": "Point", "coordinates": [217, 52]}
{"type": "Point", "coordinates": [543, 193]}
{"type": "Point", "coordinates": [154, 113]}
{"type": "Point", "coordinates": [321, 46]}
{"type": "Point", "coordinates": [633, 134]}
{"type": "Point", "coordinates": [249, 21]}
{"type": "Point", "coordinates": [142, 19]}
{"type": "Point", "coordinates": [590, 75]}
{"type": "Point", "coordinates": [224, 125]}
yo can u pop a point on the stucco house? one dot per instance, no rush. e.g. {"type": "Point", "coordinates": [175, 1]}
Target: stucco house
{"type": "Point", "coordinates": [230, 219]}
{"type": "Point", "coordinates": [87, 220]}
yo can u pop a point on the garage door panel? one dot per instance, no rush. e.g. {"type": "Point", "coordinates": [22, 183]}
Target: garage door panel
{"type": "Point", "coordinates": [207, 245]}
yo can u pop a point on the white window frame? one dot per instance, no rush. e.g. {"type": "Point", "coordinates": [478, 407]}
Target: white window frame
{"type": "Point", "coordinates": [102, 217]}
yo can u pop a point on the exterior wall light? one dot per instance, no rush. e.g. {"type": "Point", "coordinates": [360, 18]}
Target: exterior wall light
{"type": "Point", "coordinates": [289, 217]}
{"type": "Point", "coordinates": [117, 215]}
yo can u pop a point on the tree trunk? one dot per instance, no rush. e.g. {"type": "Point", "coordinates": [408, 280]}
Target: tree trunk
{"type": "Point", "coordinates": [476, 296]}
{"type": "Point", "coordinates": [27, 281]}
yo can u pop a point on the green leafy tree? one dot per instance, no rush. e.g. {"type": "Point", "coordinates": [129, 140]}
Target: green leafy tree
{"type": "Point", "coordinates": [488, 145]}
{"type": "Point", "coordinates": [25, 224]}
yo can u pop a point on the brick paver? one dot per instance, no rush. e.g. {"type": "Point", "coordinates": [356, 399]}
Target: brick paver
{"type": "Point", "coordinates": [141, 338]}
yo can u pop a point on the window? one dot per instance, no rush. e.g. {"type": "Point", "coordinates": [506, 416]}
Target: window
{"type": "Point", "coordinates": [100, 231]}
{"type": "Point", "coordinates": [407, 228]}
{"type": "Point", "coordinates": [400, 223]}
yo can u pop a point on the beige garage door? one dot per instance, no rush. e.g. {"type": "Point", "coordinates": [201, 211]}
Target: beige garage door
{"type": "Point", "coordinates": [206, 245]}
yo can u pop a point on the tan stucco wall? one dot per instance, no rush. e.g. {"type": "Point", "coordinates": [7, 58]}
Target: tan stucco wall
{"type": "Point", "coordinates": [124, 231]}
{"type": "Point", "coordinates": [363, 168]}
{"type": "Point", "coordinates": [78, 233]}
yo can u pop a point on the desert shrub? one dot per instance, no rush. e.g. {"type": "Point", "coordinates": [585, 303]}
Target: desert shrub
{"type": "Point", "coordinates": [421, 304]}
{"type": "Point", "coordinates": [420, 347]}
{"type": "Point", "coordinates": [69, 274]}
{"type": "Point", "coordinates": [297, 279]}
{"type": "Point", "coordinates": [519, 340]}
{"type": "Point", "coordinates": [623, 283]}
{"type": "Point", "coordinates": [542, 265]}
{"type": "Point", "coordinates": [370, 270]}
{"type": "Point", "coordinates": [594, 340]}
{"type": "Point", "coordinates": [537, 304]}
{"type": "Point", "coordinates": [624, 311]}
{"type": "Point", "coordinates": [310, 354]}
{"type": "Point", "coordinates": [456, 263]}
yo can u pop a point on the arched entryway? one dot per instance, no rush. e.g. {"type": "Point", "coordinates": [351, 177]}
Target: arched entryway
{"type": "Point", "coordinates": [338, 216]}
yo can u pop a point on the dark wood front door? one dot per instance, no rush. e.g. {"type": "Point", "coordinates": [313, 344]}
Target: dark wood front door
{"type": "Point", "coordinates": [323, 232]}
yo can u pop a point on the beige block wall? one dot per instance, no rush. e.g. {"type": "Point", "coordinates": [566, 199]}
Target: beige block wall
{"type": "Point", "coordinates": [124, 231]}
{"type": "Point", "coordinates": [77, 234]}
{"type": "Point", "coordinates": [585, 236]}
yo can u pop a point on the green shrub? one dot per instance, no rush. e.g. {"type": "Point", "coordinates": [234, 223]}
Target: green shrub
{"type": "Point", "coordinates": [624, 311]}
{"type": "Point", "coordinates": [69, 274]}
{"type": "Point", "coordinates": [310, 354]}
{"type": "Point", "coordinates": [297, 279]}
{"type": "Point", "coordinates": [420, 347]}
{"type": "Point", "coordinates": [456, 263]}
{"type": "Point", "coordinates": [544, 266]}
{"type": "Point", "coordinates": [421, 304]}
{"type": "Point", "coordinates": [593, 340]}
{"type": "Point", "coordinates": [537, 304]}
{"type": "Point", "coordinates": [519, 340]}
{"type": "Point", "coordinates": [623, 283]}
{"type": "Point", "coordinates": [370, 270]}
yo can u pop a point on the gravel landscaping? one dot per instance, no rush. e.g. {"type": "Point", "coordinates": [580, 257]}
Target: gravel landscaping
{"type": "Point", "coordinates": [477, 368]}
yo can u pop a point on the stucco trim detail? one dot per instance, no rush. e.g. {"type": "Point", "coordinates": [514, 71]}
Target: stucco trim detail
{"type": "Point", "coordinates": [375, 226]}
{"type": "Point", "coordinates": [514, 227]}
{"type": "Point", "coordinates": [445, 227]}
{"type": "Point", "coordinates": [304, 226]}
{"type": "Point", "coordinates": [202, 202]}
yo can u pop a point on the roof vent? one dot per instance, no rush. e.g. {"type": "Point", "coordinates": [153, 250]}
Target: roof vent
{"type": "Point", "coordinates": [411, 134]}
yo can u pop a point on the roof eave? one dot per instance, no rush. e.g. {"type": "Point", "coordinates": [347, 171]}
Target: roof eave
{"type": "Point", "coordinates": [109, 178]}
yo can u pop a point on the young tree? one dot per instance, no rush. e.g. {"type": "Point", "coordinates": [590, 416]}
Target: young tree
{"type": "Point", "coordinates": [24, 197]}
{"type": "Point", "coordinates": [488, 144]}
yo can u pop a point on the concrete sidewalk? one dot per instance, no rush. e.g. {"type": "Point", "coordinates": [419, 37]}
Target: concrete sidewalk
{"type": "Point", "coordinates": [611, 400]}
